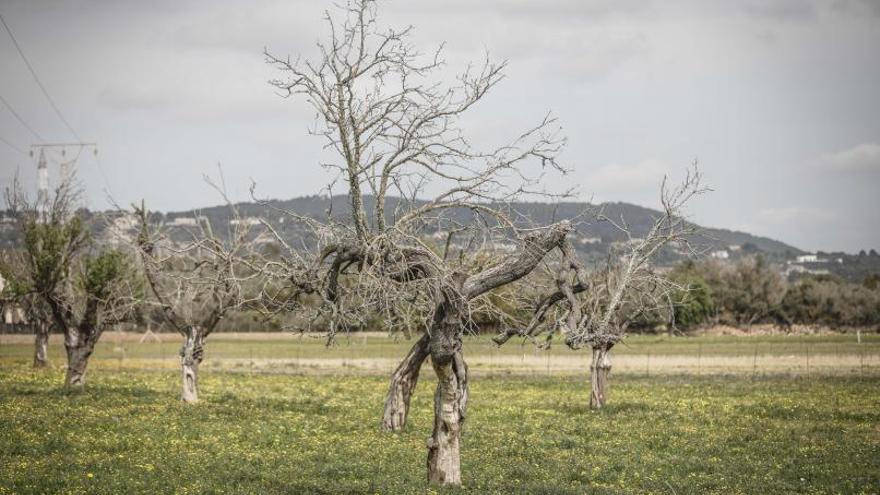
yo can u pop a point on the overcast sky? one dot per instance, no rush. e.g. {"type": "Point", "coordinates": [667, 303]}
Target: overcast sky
{"type": "Point", "coordinates": [778, 100]}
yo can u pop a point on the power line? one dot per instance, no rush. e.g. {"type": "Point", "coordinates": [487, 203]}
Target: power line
{"type": "Point", "coordinates": [20, 120]}
{"type": "Point", "coordinates": [16, 148]}
{"type": "Point", "coordinates": [37, 79]}
{"type": "Point", "coordinates": [109, 190]}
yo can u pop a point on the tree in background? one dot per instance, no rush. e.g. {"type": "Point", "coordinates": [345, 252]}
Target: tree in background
{"type": "Point", "coordinates": [195, 282]}
{"type": "Point", "coordinates": [17, 292]}
{"type": "Point", "coordinates": [741, 294]}
{"type": "Point", "coordinates": [829, 300]}
{"type": "Point", "coordinates": [85, 288]}
{"type": "Point", "coordinates": [594, 309]}
{"type": "Point", "coordinates": [695, 305]}
{"type": "Point", "coordinates": [752, 290]}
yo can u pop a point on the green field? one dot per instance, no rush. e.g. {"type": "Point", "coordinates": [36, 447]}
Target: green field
{"type": "Point", "coordinates": [815, 430]}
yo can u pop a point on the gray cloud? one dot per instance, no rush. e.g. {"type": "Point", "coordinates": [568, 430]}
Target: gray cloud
{"type": "Point", "coordinates": [787, 10]}
{"type": "Point", "coordinates": [861, 158]}
{"type": "Point", "coordinates": [760, 92]}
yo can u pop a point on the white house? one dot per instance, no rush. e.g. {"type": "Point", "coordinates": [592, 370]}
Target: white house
{"type": "Point", "coordinates": [184, 222]}
{"type": "Point", "coordinates": [248, 221]}
{"type": "Point", "coordinates": [810, 258]}
{"type": "Point", "coordinates": [590, 240]}
{"type": "Point", "coordinates": [721, 254]}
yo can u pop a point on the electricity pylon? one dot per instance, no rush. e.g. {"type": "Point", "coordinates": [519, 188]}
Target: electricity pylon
{"type": "Point", "coordinates": [66, 167]}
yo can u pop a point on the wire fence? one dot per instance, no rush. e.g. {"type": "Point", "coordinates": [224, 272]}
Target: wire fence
{"type": "Point", "coordinates": [359, 355]}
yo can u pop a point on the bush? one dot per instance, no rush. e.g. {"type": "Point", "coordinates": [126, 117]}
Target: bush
{"type": "Point", "coordinates": [752, 291]}
{"type": "Point", "coordinates": [693, 306]}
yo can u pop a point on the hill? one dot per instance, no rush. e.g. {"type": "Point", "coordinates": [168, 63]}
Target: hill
{"type": "Point", "coordinates": [592, 239]}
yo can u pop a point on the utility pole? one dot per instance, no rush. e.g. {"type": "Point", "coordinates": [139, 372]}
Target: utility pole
{"type": "Point", "coordinates": [42, 180]}
{"type": "Point", "coordinates": [66, 167]}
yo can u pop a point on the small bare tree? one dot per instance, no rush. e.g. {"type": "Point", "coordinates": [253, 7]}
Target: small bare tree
{"type": "Point", "coordinates": [85, 289]}
{"type": "Point", "coordinates": [595, 308]}
{"type": "Point", "coordinates": [396, 133]}
{"type": "Point", "coordinates": [195, 282]}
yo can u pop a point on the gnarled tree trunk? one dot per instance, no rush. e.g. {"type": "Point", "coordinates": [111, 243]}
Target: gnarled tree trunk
{"type": "Point", "coordinates": [41, 345]}
{"type": "Point", "coordinates": [403, 383]}
{"type": "Point", "coordinates": [450, 406]}
{"type": "Point", "coordinates": [79, 349]}
{"type": "Point", "coordinates": [191, 354]}
{"type": "Point", "coordinates": [600, 367]}
{"type": "Point", "coordinates": [451, 396]}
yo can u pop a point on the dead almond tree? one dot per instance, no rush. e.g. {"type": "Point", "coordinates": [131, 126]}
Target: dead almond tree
{"type": "Point", "coordinates": [85, 288]}
{"type": "Point", "coordinates": [394, 128]}
{"type": "Point", "coordinates": [594, 309]}
{"type": "Point", "coordinates": [195, 280]}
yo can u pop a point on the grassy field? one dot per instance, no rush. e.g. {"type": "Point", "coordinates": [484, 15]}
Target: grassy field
{"type": "Point", "coordinates": [302, 432]}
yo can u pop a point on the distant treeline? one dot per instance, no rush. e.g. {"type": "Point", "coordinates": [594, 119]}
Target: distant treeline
{"type": "Point", "coordinates": [743, 293]}
{"type": "Point", "coordinates": [752, 291]}
{"type": "Point", "coordinates": [746, 292]}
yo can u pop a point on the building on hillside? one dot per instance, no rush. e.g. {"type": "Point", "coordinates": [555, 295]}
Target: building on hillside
{"type": "Point", "coordinates": [721, 254]}
{"type": "Point", "coordinates": [184, 221]}
{"type": "Point", "coordinates": [247, 221]}
{"type": "Point", "coordinates": [504, 247]}
{"type": "Point", "coordinates": [810, 258]}
{"type": "Point", "coordinates": [121, 229]}
{"type": "Point", "coordinates": [802, 270]}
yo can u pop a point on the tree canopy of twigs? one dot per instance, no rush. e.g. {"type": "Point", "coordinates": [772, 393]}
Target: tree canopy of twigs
{"type": "Point", "coordinates": [594, 308]}
{"type": "Point", "coordinates": [394, 130]}
{"type": "Point", "coordinates": [197, 280]}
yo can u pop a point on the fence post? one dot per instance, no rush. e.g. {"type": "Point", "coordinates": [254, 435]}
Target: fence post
{"type": "Point", "coordinates": [699, 359]}
{"type": "Point", "coordinates": [491, 358]}
{"type": "Point", "coordinates": [862, 362]}
{"type": "Point", "coordinates": [755, 362]}
{"type": "Point", "coordinates": [807, 346]}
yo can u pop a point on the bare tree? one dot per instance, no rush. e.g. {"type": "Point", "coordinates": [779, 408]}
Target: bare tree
{"type": "Point", "coordinates": [84, 288]}
{"type": "Point", "coordinates": [595, 308]}
{"type": "Point", "coordinates": [395, 129]}
{"type": "Point", "coordinates": [195, 281]}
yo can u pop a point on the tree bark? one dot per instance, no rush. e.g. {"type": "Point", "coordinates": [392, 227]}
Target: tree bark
{"type": "Point", "coordinates": [600, 367]}
{"type": "Point", "coordinates": [451, 396]}
{"type": "Point", "coordinates": [450, 405]}
{"type": "Point", "coordinates": [403, 384]}
{"type": "Point", "coordinates": [78, 352]}
{"type": "Point", "coordinates": [191, 354]}
{"type": "Point", "coordinates": [41, 345]}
